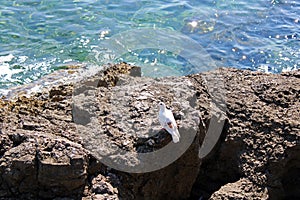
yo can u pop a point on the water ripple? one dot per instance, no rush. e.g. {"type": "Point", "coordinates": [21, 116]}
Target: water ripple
{"type": "Point", "coordinates": [256, 35]}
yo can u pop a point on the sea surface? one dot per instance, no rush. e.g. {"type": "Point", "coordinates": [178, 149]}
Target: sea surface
{"type": "Point", "coordinates": [167, 38]}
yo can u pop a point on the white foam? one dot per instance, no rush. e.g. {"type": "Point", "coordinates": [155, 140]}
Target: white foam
{"type": "Point", "coordinates": [6, 58]}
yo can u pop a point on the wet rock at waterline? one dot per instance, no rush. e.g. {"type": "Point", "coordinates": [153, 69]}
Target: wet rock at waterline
{"type": "Point", "coordinates": [59, 142]}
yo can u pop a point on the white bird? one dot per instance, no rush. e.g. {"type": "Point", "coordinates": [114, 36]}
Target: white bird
{"type": "Point", "coordinates": [167, 121]}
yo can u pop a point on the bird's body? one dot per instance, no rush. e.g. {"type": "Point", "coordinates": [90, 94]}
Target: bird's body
{"type": "Point", "coordinates": [167, 121]}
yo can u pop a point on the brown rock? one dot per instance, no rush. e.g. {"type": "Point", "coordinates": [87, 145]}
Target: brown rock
{"type": "Point", "coordinates": [45, 150]}
{"type": "Point", "coordinates": [242, 189]}
{"type": "Point", "coordinates": [261, 138]}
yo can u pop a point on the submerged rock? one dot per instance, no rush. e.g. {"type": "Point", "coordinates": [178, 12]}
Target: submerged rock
{"type": "Point", "coordinates": [99, 138]}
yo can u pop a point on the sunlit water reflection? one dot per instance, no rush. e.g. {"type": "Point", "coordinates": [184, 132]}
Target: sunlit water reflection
{"type": "Point", "coordinates": [38, 37]}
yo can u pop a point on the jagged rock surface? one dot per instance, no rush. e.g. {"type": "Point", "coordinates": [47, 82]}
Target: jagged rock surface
{"type": "Point", "coordinates": [260, 143]}
{"type": "Point", "coordinates": [43, 154]}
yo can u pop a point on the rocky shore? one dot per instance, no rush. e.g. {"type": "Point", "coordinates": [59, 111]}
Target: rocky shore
{"type": "Point", "coordinates": [87, 139]}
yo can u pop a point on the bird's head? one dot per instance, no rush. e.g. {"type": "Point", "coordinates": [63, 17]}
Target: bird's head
{"type": "Point", "coordinates": [162, 105]}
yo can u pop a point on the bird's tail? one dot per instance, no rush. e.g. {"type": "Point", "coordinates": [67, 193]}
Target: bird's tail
{"type": "Point", "coordinates": [175, 137]}
{"type": "Point", "coordinates": [177, 132]}
{"type": "Point", "coordinates": [174, 133]}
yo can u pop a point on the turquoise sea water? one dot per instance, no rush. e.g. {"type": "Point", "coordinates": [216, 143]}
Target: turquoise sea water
{"type": "Point", "coordinates": [40, 36]}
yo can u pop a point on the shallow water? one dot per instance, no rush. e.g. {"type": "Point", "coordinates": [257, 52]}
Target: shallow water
{"type": "Point", "coordinates": [39, 37]}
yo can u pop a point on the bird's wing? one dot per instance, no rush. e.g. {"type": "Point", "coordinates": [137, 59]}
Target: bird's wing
{"type": "Point", "coordinates": [175, 135]}
{"type": "Point", "coordinates": [172, 123]}
{"type": "Point", "coordinates": [170, 118]}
